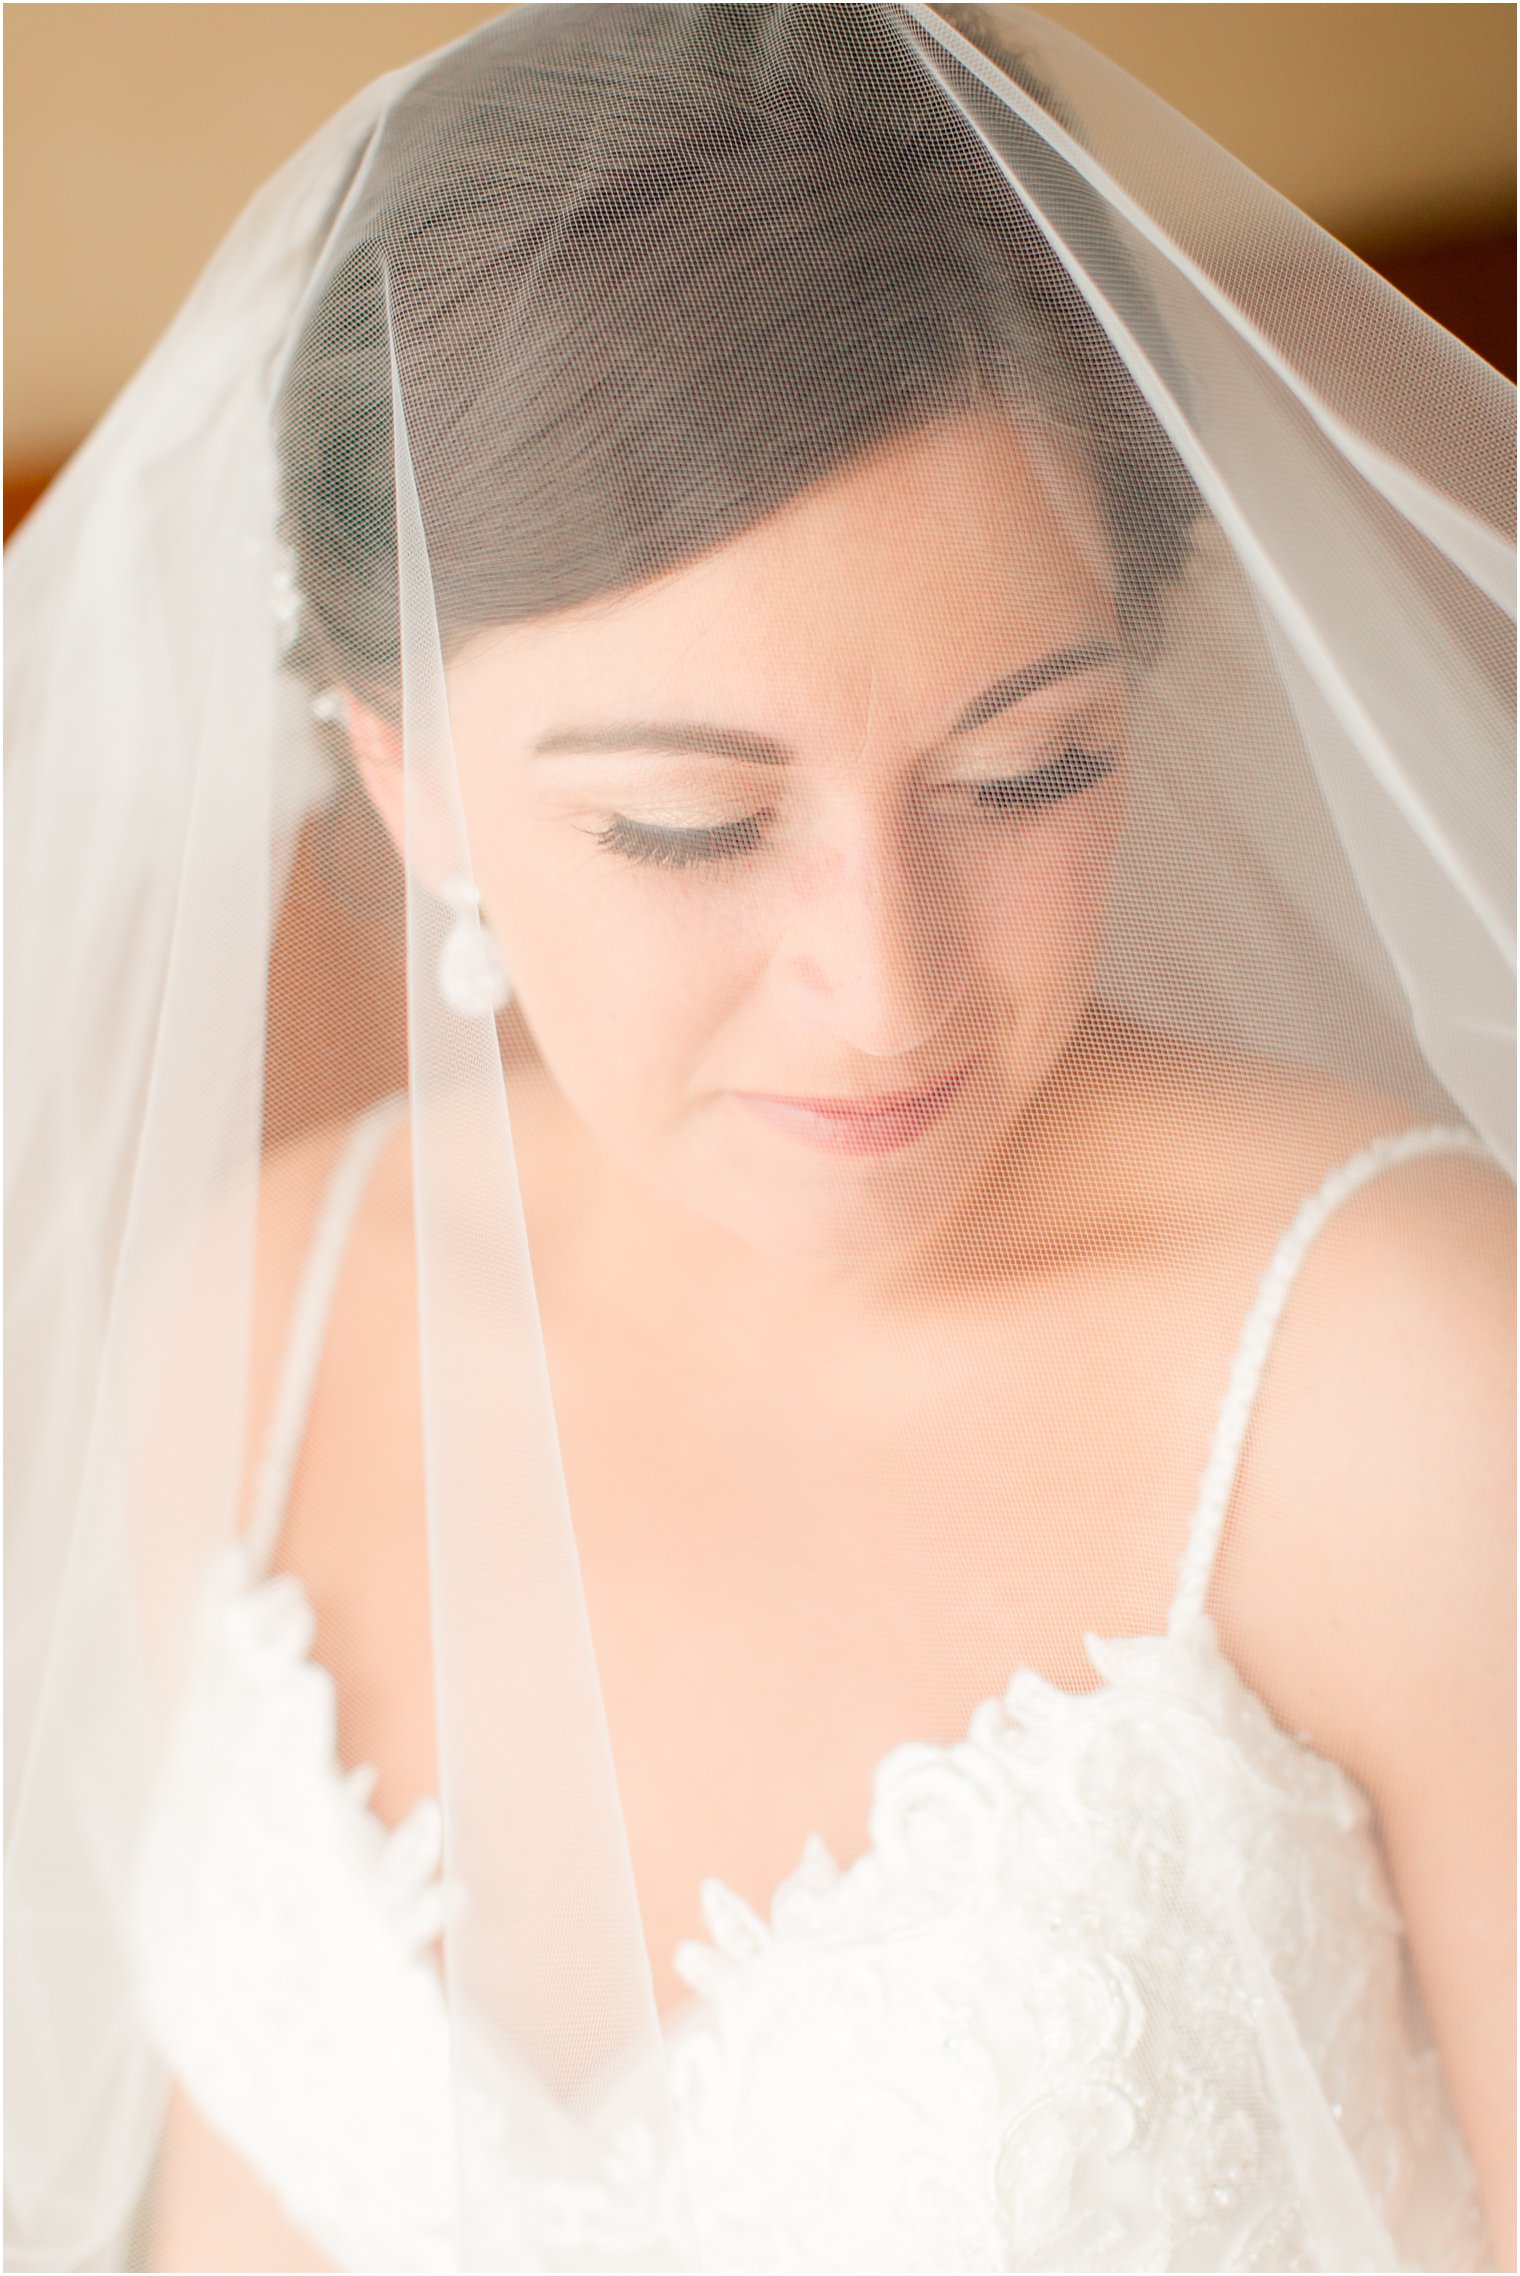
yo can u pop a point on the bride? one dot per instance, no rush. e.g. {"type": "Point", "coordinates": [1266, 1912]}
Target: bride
{"type": "Point", "coordinates": [823, 1577]}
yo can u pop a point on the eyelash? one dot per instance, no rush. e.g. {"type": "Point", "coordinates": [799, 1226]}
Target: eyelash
{"type": "Point", "coordinates": [679, 849]}
{"type": "Point", "coordinates": [1065, 777]}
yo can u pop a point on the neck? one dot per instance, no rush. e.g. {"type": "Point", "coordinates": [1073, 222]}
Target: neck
{"type": "Point", "coordinates": [616, 1232]}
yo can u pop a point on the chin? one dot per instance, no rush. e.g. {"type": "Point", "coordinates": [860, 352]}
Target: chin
{"type": "Point", "coordinates": [789, 1199]}
{"type": "Point", "coordinates": [823, 1210]}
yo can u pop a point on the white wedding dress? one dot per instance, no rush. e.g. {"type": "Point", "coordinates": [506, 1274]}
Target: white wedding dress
{"type": "Point", "coordinates": [1119, 1982]}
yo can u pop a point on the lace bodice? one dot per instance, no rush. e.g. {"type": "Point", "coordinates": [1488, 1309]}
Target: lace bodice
{"type": "Point", "coordinates": [1118, 1983]}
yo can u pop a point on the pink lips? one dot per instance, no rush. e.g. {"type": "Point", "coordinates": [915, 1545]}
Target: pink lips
{"type": "Point", "coordinates": [857, 1126]}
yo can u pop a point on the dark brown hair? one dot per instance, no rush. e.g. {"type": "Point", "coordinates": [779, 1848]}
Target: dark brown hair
{"type": "Point", "coordinates": [650, 272]}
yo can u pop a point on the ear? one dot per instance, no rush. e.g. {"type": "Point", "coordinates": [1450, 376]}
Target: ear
{"type": "Point", "coordinates": [376, 743]}
{"type": "Point", "coordinates": [376, 746]}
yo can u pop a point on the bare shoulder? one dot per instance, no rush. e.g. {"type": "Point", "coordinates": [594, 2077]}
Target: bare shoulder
{"type": "Point", "coordinates": [297, 1174]}
{"type": "Point", "coordinates": [354, 1531]}
{"type": "Point", "coordinates": [1366, 1581]}
{"type": "Point", "coordinates": [1373, 1518]}
{"type": "Point", "coordinates": [1370, 1542]}
{"type": "Point", "coordinates": [293, 1185]}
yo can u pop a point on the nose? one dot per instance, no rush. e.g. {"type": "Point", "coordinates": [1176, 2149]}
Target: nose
{"type": "Point", "coordinates": [873, 952]}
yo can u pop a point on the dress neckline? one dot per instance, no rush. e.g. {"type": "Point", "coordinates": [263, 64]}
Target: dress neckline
{"type": "Point", "coordinates": [731, 1919]}
{"type": "Point", "coordinates": [412, 1846]}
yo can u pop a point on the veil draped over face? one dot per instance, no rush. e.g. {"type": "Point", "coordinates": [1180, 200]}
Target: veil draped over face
{"type": "Point", "coordinates": [818, 373]}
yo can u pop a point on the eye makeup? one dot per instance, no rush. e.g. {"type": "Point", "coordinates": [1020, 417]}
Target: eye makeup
{"type": "Point", "coordinates": [1073, 771]}
{"type": "Point", "coordinates": [659, 846]}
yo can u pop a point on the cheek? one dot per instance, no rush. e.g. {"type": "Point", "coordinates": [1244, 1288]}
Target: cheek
{"type": "Point", "coordinates": [624, 976]}
{"type": "Point", "coordinates": [1046, 907]}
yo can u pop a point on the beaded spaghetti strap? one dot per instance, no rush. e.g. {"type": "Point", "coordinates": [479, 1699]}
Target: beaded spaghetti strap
{"type": "Point", "coordinates": [1196, 1568]}
{"type": "Point", "coordinates": [345, 1191]}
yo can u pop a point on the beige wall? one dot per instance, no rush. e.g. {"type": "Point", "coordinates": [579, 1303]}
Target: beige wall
{"type": "Point", "coordinates": [1383, 122]}
{"type": "Point", "coordinates": [135, 133]}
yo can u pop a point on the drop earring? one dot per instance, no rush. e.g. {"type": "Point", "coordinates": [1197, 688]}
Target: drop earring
{"type": "Point", "coordinates": [472, 978]}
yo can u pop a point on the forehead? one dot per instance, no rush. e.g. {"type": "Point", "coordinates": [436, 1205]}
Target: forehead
{"type": "Point", "coordinates": [888, 595]}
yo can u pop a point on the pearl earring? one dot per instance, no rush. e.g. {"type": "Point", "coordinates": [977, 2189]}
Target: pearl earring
{"type": "Point", "coordinates": [472, 978]}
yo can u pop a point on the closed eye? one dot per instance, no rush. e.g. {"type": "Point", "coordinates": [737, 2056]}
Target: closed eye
{"type": "Point", "coordinates": [1064, 777]}
{"type": "Point", "coordinates": [661, 848]}
{"type": "Point", "coordinates": [657, 847]}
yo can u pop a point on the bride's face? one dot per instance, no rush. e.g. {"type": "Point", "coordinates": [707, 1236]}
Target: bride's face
{"type": "Point", "coordinates": [798, 855]}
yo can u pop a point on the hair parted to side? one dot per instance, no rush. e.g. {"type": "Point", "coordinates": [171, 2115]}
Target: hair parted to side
{"type": "Point", "coordinates": [651, 272]}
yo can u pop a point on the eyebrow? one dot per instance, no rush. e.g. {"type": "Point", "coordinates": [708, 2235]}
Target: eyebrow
{"type": "Point", "coordinates": [1060, 664]}
{"type": "Point", "coordinates": [694, 737]}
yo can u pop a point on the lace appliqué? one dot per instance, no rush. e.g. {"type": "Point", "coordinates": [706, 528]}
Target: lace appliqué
{"type": "Point", "coordinates": [1118, 1984]}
